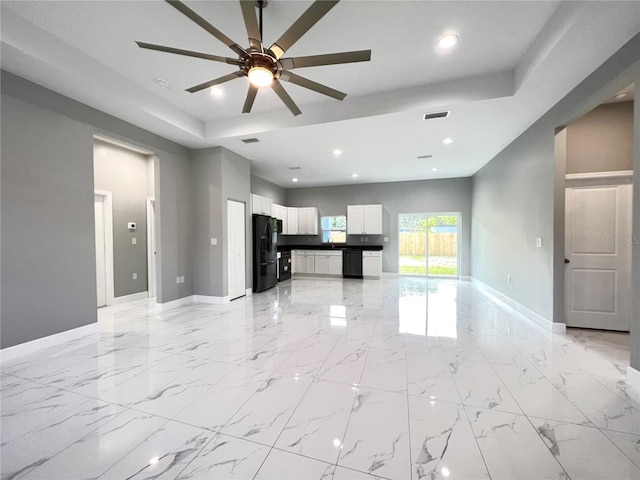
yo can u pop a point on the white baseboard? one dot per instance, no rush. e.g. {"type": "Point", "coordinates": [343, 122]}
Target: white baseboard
{"type": "Point", "coordinates": [26, 348]}
{"type": "Point", "coordinates": [174, 303]}
{"type": "Point", "coordinates": [633, 379]}
{"type": "Point", "coordinates": [211, 300]}
{"type": "Point", "coordinates": [502, 299]}
{"type": "Point", "coordinates": [130, 298]}
{"type": "Point", "coordinates": [249, 292]}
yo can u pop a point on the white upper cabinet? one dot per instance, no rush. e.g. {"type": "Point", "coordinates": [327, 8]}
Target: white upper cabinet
{"type": "Point", "coordinates": [364, 220]}
{"type": "Point", "coordinates": [280, 212]}
{"type": "Point", "coordinates": [292, 221]}
{"type": "Point", "coordinates": [261, 205]}
{"type": "Point", "coordinates": [307, 221]}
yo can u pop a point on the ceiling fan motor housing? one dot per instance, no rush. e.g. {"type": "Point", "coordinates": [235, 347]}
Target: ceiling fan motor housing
{"type": "Point", "coordinates": [259, 59]}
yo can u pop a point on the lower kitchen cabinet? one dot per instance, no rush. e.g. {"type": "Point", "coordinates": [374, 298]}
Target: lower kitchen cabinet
{"type": "Point", "coordinates": [371, 264]}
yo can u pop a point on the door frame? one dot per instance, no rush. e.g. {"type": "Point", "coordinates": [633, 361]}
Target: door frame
{"type": "Point", "coordinates": [151, 257]}
{"type": "Point", "coordinates": [108, 242]}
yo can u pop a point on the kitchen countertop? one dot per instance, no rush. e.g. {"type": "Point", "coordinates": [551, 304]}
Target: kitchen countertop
{"type": "Point", "coordinates": [329, 247]}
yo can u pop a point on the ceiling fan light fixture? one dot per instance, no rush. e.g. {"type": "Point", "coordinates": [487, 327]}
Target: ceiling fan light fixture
{"type": "Point", "coordinates": [260, 76]}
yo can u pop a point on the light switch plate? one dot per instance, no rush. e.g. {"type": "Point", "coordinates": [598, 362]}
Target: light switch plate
{"type": "Point", "coordinates": [182, 279]}
{"type": "Point", "coordinates": [539, 242]}
{"type": "Point", "coordinates": [134, 241]}
{"type": "Point", "coordinates": [134, 276]}
{"type": "Point", "coordinates": [214, 241]}
{"type": "Point", "coordinates": [177, 279]}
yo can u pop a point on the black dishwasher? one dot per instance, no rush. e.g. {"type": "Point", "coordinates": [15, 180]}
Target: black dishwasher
{"type": "Point", "coordinates": [352, 263]}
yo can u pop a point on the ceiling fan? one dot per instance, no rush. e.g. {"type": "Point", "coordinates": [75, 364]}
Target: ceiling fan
{"type": "Point", "coordinates": [265, 66]}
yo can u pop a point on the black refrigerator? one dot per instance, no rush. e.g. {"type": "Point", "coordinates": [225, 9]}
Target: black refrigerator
{"type": "Point", "coordinates": [265, 249]}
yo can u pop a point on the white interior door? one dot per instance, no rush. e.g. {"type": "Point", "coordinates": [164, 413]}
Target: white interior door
{"type": "Point", "coordinates": [101, 262]}
{"type": "Point", "coordinates": [151, 247]}
{"type": "Point", "coordinates": [236, 248]}
{"type": "Point", "coordinates": [598, 247]}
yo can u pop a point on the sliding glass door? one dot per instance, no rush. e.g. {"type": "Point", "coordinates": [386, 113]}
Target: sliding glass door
{"type": "Point", "coordinates": [428, 243]}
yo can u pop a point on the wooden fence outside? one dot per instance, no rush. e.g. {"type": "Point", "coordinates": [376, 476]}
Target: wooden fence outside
{"type": "Point", "coordinates": [440, 244]}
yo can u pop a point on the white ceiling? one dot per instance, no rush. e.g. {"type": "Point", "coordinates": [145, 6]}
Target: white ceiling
{"type": "Point", "coordinates": [514, 61]}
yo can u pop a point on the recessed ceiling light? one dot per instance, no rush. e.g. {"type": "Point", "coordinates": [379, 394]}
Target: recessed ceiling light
{"type": "Point", "coordinates": [216, 91]}
{"type": "Point", "coordinates": [354, 175]}
{"type": "Point", "coordinates": [447, 141]}
{"type": "Point", "coordinates": [294, 180]}
{"type": "Point", "coordinates": [337, 152]}
{"type": "Point", "coordinates": [434, 169]}
{"type": "Point", "coordinates": [621, 95]}
{"type": "Point", "coordinates": [162, 83]}
{"type": "Point", "coordinates": [448, 41]}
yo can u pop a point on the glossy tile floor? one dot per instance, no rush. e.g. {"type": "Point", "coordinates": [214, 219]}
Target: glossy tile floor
{"type": "Point", "coordinates": [401, 378]}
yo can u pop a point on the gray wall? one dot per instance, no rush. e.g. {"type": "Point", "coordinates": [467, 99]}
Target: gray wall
{"type": "Point", "coordinates": [450, 195]}
{"type": "Point", "coordinates": [48, 239]}
{"type": "Point", "coordinates": [263, 187]}
{"type": "Point", "coordinates": [125, 174]}
{"type": "Point", "coordinates": [218, 175]}
{"type": "Point", "coordinates": [48, 244]}
{"type": "Point", "coordinates": [519, 195]}
{"type": "Point", "coordinates": [602, 140]}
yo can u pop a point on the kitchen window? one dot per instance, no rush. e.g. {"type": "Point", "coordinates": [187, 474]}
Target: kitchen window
{"type": "Point", "coordinates": [334, 229]}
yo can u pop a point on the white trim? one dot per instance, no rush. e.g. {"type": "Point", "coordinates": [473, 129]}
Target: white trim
{"type": "Point", "coordinates": [211, 300]}
{"type": "Point", "coordinates": [134, 297]}
{"type": "Point", "coordinates": [466, 278]}
{"type": "Point", "coordinates": [121, 144]}
{"type": "Point", "coordinates": [249, 292]}
{"type": "Point", "coordinates": [17, 351]}
{"type": "Point", "coordinates": [633, 379]}
{"type": "Point", "coordinates": [599, 175]}
{"type": "Point", "coordinates": [108, 241]}
{"type": "Point", "coordinates": [504, 300]}
{"type": "Point", "coordinates": [151, 264]}
{"type": "Point", "coordinates": [174, 303]}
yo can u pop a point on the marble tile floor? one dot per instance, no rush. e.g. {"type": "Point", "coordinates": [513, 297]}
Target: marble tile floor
{"type": "Point", "coordinates": [399, 378]}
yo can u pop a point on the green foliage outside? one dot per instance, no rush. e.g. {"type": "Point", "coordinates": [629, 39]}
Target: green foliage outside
{"type": "Point", "coordinates": [419, 223]}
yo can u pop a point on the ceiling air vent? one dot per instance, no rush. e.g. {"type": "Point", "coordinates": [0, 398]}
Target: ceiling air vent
{"type": "Point", "coordinates": [430, 116]}
{"type": "Point", "coordinates": [294, 168]}
{"type": "Point", "coordinates": [250, 140]}
{"type": "Point", "coordinates": [421, 157]}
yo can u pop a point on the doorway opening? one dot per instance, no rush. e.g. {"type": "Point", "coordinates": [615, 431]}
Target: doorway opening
{"type": "Point", "coordinates": [124, 183]}
{"type": "Point", "coordinates": [429, 244]}
{"type": "Point", "coordinates": [597, 149]}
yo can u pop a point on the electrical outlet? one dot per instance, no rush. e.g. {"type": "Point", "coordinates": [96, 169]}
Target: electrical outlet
{"type": "Point", "coordinates": [182, 279]}
{"type": "Point", "coordinates": [386, 239]}
{"type": "Point", "coordinates": [214, 241]}
{"type": "Point", "coordinates": [539, 242]}
{"type": "Point", "coordinates": [509, 278]}
{"type": "Point", "coordinates": [177, 279]}
{"type": "Point", "coordinates": [134, 276]}
{"type": "Point", "coordinates": [134, 241]}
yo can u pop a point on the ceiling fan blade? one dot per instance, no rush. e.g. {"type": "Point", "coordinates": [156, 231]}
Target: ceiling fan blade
{"type": "Point", "coordinates": [216, 81]}
{"type": "Point", "coordinates": [311, 85]}
{"type": "Point", "coordinates": [328, 59]}
{"type": "Point", "coordinates": [188, 53]}
{"type": "Point", "coordinates": [251, 96]}
{"type": "Point", "coordinates": [284, 96]}
{"type": "Point", "coordinates": [182, 8]}
{"type": "Point", "coordinates": [251, 22]}
{"type": "Point", "coordinates": [307, 20]}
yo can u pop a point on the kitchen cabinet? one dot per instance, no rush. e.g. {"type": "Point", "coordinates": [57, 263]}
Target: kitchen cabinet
{"type": "Point", "coordinates": [305, 261]}
{"type": "Point", "coordinates": [307, 221]}
{"type": "Point", "coordinates": [280, 212]}
{"type": "Point", "coordinates": [328, 262]}
{"type": "Point", "coordinates": [364, 220]}
{"type": "Point", "coordinates": [292, 221]}
{"type": "Point", "coordinates": [371, 264]}
{"type": "Point", "coordinates": [261, 205]}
